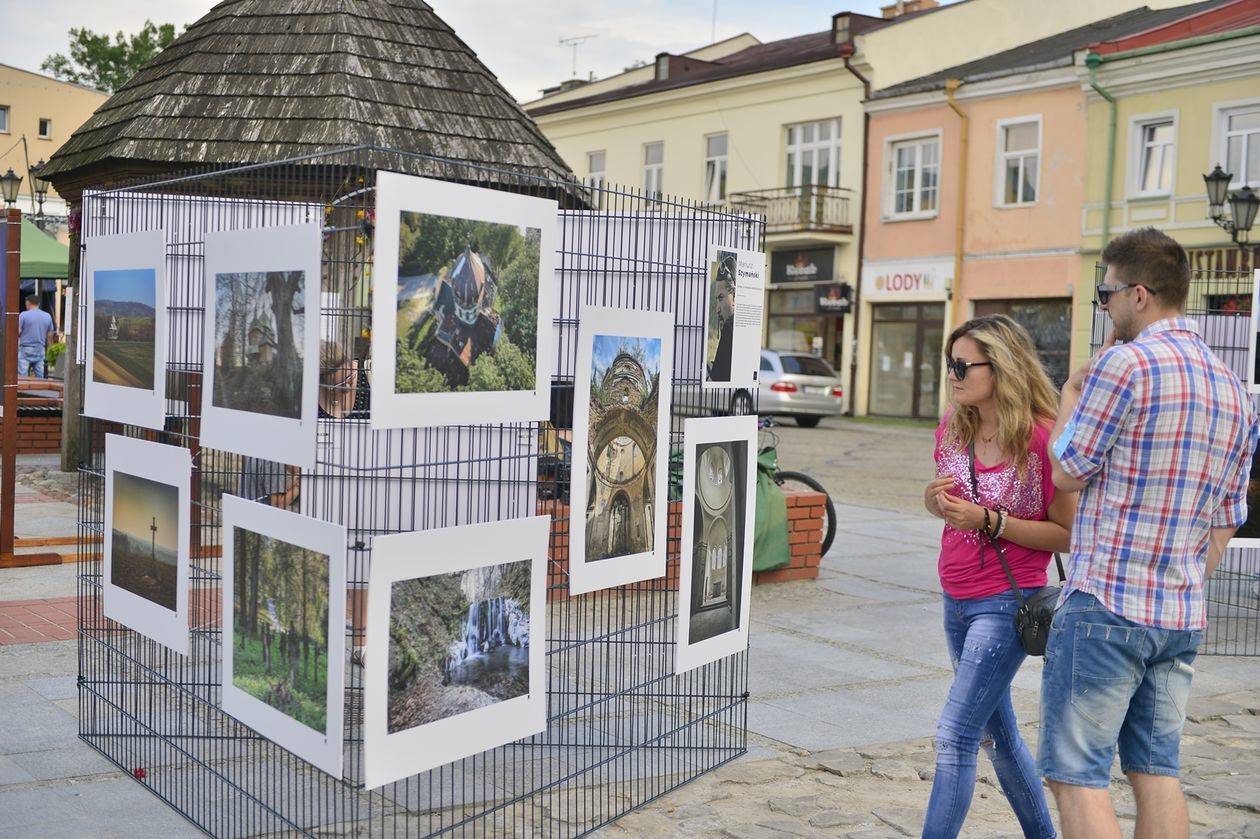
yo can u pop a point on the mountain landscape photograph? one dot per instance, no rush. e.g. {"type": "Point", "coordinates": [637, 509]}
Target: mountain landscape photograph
{"type": "Point", "coordinates": [125, 327]}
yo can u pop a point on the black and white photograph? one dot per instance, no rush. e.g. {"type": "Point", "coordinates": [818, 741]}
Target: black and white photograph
{"type": "Point", "coordinates": [284, 606]}
{"type": "Point", "coordinates": [124, 291]}
{"type": "Point", "coordinates": [732, 317]}
{"type": "Point", "coordinates": [715, 570]}
{"type": "Point", "coordinates": [262, 342]}
{"type": "Point", "coordinates": [455, 647]}
{"type": "Point", "coordinates": [146, 538]}
{"type": "Point", "coordinates": [620, 448]}
{"type": "Point", "coordinates": [462, 306]}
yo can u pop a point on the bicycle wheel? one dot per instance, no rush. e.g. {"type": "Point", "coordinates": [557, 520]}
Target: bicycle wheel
{"type": "Point", "coordinates": [799, 480]}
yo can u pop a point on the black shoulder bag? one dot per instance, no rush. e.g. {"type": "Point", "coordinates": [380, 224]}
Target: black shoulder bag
{"type": "Point", "coordinates": [1033, 617]}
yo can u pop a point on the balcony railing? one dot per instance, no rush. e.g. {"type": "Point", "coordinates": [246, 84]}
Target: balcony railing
{"type": "Point", "coordinates": [790, 209]}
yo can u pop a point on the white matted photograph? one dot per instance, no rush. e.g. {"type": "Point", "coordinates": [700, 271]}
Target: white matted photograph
{"type": "Point", "coordinates": [261, 337]}
{"type": "Point", "coordinates": [284, 607]}
{"type": "Point", "coordinates": [1248, 534]}
{"type": "Point", "coordinates": [463, 304]}
{"type": "Point", "coordinates": [147, 498]}
{"type": "Point", "coordinates": [456, 637]}
{"type": "Point", "coordinates": [715, 572]}
{"type": "Point", "coordinates": [732, 317]}
{"type": "Point", "coordinates": [124, 293]}
{"type": "Point", "coordinates": [621, 415]}
{"type": "Point", "coordinates": [1252, 378]}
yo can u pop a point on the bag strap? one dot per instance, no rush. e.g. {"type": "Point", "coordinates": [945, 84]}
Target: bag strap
{"type": "Point", "coordinates": [984, 534]}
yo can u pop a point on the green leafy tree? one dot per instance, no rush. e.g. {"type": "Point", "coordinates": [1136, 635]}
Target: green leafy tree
{"type": "Point", "coordinates": [485, 375]}
{"type": "Point", "coordinates": [414, 376]}
{"type": "Point", "coordinates": [106, 64]}
{"type": "Point", "coordinates": [518, 292]}
{"type": "Point", "coordinates": [515, 365]}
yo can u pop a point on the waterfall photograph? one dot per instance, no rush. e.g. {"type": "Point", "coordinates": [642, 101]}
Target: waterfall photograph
{"type": "Point", "coordinates": [457, 642]}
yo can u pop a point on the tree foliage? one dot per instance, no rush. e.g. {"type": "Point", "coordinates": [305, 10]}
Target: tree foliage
{"type": "Point", "coordinates": [106, 64]}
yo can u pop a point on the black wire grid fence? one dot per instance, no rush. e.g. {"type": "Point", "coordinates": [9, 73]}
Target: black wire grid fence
{"type": "Point", "coordinates": [622, 729]}
{"type": "Point", "coordinates": [1220, 302]}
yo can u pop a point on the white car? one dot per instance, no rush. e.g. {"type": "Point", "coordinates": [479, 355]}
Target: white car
{"type": "Point", "coordinates": [799, 385]}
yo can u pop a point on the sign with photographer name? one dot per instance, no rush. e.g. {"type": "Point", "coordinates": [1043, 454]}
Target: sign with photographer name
{"type": "Point", "coordinates": [812, 265]}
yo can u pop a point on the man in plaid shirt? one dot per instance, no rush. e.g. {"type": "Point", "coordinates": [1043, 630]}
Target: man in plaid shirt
{"type": "Point", "coordinates": [1157, 435]}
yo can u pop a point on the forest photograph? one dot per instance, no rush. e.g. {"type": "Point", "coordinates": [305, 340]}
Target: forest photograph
{"type": "Point", "coordinates": [457, 642]}
{"type": "Point", "coordinates": [259, 323]}
{"type": "Point", "coordinates": [124, 320]}
{"type": "Point", "coordinates": [280, 645]}
{"type": "Point", "coordinates": [466, 306]}
{"type": "Point", "coordinates": [144, 549]}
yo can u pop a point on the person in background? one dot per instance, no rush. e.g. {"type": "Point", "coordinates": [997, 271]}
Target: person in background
{"type": "Point", "coordinates": [34, 328]}
{"type": "Point", "coordinates": [993, 486]}
{"type": "Point", "coordinates": [1157, 435]}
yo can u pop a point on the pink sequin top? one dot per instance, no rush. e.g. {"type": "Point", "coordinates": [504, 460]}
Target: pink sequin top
{"type": "Point", "coordinates": [964, 574]}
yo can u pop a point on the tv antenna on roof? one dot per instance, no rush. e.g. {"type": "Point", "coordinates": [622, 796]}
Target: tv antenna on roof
{"type": "Point", "coordinates": [575, 42]}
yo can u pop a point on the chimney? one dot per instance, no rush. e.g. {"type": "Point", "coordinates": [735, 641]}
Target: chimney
{"type": "Point", "coordinates": [903, 7]}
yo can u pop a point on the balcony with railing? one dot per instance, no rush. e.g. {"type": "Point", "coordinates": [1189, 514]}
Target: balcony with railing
{"type": "Point", "coordinates": [793, 209]}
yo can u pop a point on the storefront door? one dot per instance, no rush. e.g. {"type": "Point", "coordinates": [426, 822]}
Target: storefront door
{"type": "Point", "coordinates": [906, 359]}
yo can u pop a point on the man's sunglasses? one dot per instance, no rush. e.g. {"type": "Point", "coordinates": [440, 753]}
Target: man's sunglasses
{"type": "Point", "coordinates": [959, 367]}
{"type": "Point", "coordinates": [1105, 291]}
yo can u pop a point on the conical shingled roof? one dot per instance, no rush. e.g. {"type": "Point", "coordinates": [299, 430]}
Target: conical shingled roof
{"type": "Point", "coordinates": [265, 80]}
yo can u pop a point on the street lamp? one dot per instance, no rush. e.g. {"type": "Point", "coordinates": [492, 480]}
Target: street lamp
{"type": "Point", "coordinates": [1243, 205]}
{"type": "Point", "coordinates": [41, 187]}
{"type": "Point", "coordinates": [9, 184]}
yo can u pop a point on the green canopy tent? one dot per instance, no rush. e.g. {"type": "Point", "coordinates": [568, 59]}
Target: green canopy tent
{"type": "Point", "coordinates": [43, 257]}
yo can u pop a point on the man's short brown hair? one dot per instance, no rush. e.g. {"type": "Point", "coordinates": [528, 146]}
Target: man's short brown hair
{"type": "Point", "coordinates": [1154, 259]}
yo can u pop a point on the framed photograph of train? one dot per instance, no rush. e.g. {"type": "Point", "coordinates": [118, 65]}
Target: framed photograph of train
{"type": "Point", "coordinates": [455, 645]}
{"type": "Point", "coordinates": [261, 336]}
{"type": "Point", "coordinates": [463, 304]}
{"type": "Point", "coordinates": [284, 608]}
{"type": "Point", "coordinates": [124, 295]}
{"type": "Point", "coordinates": [147, 502]}
{"type": "Point", "coordinates": [715, 572]}
{"type": "Point", "coordinates": [620, 468]}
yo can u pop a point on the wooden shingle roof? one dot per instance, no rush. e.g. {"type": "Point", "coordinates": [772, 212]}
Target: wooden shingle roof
{"type": "Point", "coordinates": [264, 80]}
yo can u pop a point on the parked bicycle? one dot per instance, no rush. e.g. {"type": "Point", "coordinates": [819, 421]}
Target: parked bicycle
{"type": "Point", "coordinates": [769, 444]}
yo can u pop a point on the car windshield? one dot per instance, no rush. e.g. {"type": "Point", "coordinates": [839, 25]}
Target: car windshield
{"type": "Point", "coordinates": [806, 365]}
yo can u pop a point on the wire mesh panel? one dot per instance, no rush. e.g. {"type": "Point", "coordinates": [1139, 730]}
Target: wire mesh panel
{"type": "Point", "coordinates": [621, 728]}
{"type": "Point", "coordinates": [1220, 303]}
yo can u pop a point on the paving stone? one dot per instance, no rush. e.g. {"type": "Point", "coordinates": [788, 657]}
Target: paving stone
{"type": "Point", "coordinates": [766, 772]}
{"type": "Point", "coordinates": [1228, 791]}
{"type": "Point", "coordinates": [905, 821]}
{"type": "Point", "coordinates": [766, 830]}
{"type": "Point", "coordinates": [1201, 710]}
{"type": "Point", "coordinates": [1243, 722]}
{"type": "Point", "coordinates": [798, 807]}
{"type": "Point", "coordinates": [691, 811]}
{"type": "Point", "coordinates": [836, 818]}
{"type": "Point", "coordinates": [894, 770]}
{"type": "Point", "coordinates": [843, 762]}
{"type": "Point", "coordinates": [874, 833]}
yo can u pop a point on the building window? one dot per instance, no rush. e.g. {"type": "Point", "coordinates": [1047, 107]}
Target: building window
{"type": "Point", "coordinates": [4, 119]}
{"type": "Point", "coordinates": [653, 168]}
{"type": "Point", "coordinates": [45, 128]}
{"type": "Point", "coordinates": [813, 153]}
{"type": "Point", "coordinates": [915, 167]}
{"type": "Point", "coordinates": [1240, 129]}
{"type": "Point", "coordinates": [1154, 141]}
{"type": "Point", "coordinates": [1019, 154]}
{"type": "Point", "coordinates": [715, 168]}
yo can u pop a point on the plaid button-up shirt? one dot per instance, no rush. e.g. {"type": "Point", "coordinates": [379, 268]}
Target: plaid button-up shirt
{"type": "Point", "coordinates": [1163, 435]}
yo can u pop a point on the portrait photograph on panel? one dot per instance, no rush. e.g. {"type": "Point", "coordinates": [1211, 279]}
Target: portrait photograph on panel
{"type": "Point", "coordinates": [146, 538]}
{"type": "Point", "coordinates": [455, 645]}
{"type": "Point", "coordinates": [620, 448]}
{"type": "Point", "coordinates": [284, 604]}
{"type": "Point", "coordinates": [124, 278]}
{"type": "Point", "coordinates": [716, 555]}
{"type": "Point", "coordinates": [262, 342]}
{"type": "Point", "coordinates": [463, 304]}
{"type": "Point", "coordinates": [732, 317]}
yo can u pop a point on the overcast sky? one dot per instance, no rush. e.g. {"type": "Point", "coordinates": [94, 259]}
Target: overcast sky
{"type": "Point", "coordinates": [518, 41]}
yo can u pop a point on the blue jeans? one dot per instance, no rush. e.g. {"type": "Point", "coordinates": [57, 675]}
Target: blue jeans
{"type": "Point", "coordinates": [31, 358]}
{"type": "Point", "coordinates": [1109, 684]}
{"type": "Point", "coordinates": [986, 655]}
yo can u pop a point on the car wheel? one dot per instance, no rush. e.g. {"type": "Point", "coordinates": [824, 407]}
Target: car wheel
{"type": "Point", "coordinates": [741, 403]}
{"type": "Point", "coordinates": [808, 422]}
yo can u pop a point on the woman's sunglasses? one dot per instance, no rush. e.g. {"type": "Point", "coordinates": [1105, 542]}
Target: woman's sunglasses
{"type": "Point", "coordinates": [959, 367]}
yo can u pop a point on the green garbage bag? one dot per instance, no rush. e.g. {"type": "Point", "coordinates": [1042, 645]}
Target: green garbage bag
{"type": "Point", "coordinates": [770, 535]}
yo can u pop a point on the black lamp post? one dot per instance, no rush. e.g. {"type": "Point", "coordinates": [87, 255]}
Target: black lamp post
{"type": "Point", "coordinates": [9, 184]}
{"type": "Point", "coordinates": [41, 188]}
{"type": "Point", "coordinates": [1243, 205]}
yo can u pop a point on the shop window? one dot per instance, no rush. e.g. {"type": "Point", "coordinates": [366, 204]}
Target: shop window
{"type": "Point", "coordinates": [1049, 322]}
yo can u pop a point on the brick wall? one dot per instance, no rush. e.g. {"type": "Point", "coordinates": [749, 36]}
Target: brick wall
{"type": "Point", "coordinates": [38, 434]}
{"type": "Point", "coordinates": [805, 521]}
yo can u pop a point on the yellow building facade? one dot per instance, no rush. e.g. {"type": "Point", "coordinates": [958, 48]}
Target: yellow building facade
{"type": "Point", "coordinates": [37, 115]}
{"type": "Point", "coordinates": [1181, 104]}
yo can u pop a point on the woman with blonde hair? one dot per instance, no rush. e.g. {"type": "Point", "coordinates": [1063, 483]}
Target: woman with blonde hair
{"type": "Point", "coordinates": [993, 487]}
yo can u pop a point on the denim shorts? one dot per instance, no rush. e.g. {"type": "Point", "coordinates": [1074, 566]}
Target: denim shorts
{"type": "Point", "coordinates": [1110, 684]}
